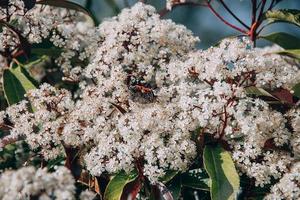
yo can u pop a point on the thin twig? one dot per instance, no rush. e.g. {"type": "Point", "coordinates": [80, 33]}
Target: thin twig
{"type": "Point", "coordinates": [223, 20]}
{"type": "Point", "coordinates": [233, 15]}
{"type": "Point", "coordinates": [272, 5]}
{"type": "Point", "coordinates": [254, 7]}
{"type": "Point", "coordinates": [261, 10]}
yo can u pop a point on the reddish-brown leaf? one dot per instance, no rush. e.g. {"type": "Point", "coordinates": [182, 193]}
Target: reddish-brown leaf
{"type": "Point", "coordinates": [284, 95]}
{"type": "Point", "coordinates": [131, 190]}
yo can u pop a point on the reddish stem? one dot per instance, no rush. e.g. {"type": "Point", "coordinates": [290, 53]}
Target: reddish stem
{"type": "Point", "coordinates": [224, 124]}
{"type": "Point", "coordinates": [233, 15]}
{"type": "Point", "coordinates": [223, 20]}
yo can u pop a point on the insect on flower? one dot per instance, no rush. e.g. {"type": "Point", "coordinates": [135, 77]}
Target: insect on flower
{"type": "Point", "coordinates": [140, 90]}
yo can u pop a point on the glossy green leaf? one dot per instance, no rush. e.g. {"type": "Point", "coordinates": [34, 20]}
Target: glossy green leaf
{"type": "Point", "coordinates": [196, 179]}
{"type": "Point", "coordinates": [284, 40]}
{"type": "Point", "coordinates": [65, 4]}
{"type": "Point", "coordinates": [296, 90]}
{"type": "Point", "coordinates": [285, 15]}
{"type": "Point", "coordinates": [16, 83]}
{"type": "Point", "coordinates": [225, 180]}
{"type": "Point", "coordinates": [294, 53]}
{"type": "Point", "coordinates": [116, 185]}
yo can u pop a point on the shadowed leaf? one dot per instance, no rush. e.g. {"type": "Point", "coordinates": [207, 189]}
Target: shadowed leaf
{"type": "Point", "coordinates": [196, 179]}
{"type": "Point", "coordinates": [16, 83]}
{"type": "Point", "coordinates": [284, 40]}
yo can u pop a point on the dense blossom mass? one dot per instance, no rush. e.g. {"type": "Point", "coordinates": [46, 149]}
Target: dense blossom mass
{"type": "Point", "coordinates": [27, 183]}
{"type": "Point", "coordinates": [144, 92]}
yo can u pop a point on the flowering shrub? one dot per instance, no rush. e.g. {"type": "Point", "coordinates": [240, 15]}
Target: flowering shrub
{"type": "Point", "coordinates": [137, 111]}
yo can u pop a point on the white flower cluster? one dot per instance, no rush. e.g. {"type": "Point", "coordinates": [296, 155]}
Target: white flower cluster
{"type": "Point", "coordinates": [215, 83]}
{"type": "Point", "coordinates": [121, 118]}
{"type": "Point", "coordinates": [288, 186]}
{"type": "Point", "coordinates": [42, 128]}
{"type": "Point", "coordinates": [87, 195]}
{"type": "Point", "coordinates": [133, 121]}
{"type": "Point", "coordinates": [68, 30]}
{"type": "Point", "coordinates": [29, 183]}
{"type": "Point", "coordinates": [146, 89]}
{"type": "Point", "coordinates": [294, 117]}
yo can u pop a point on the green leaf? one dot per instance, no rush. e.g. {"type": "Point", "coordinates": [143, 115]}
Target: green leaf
{"type": "Point", "coordinates": [24, 77]}
{"type": "Point", "coordinates": [258, 92]}
{"type": "Point", "coordinates": [52, 51]}
{"type": "Point", "coordinates": [13, 90]}
{"type": "Point", "coordinates": [284, 40]}
{"type": "Point", "coordinates": [22, 74]}
{"type": "Point", "coordinates": [196, 179]}
{"type": "Point", "coordinates": [174, 186]}
{"type": "Point", "coordinates": [116, 185]}
{"type": "Point", "coordinates": [296, 90]}
{"type": "Point", "coordinates": [225, 180]}
{"type": "Point", "coordinates": [55, 162]}
{"type": "Point", "coordinates": [16, 83]}
{"type": "Point", "coordinates": [285, 15]}
{"type": "Point", "coordinates": [294, 53]}
{"type": "Point", "coordinates": [168, 176]}
{"type": "Point", "coordinates": [66, 4]}
{"type": "Point", "coordinates": [38, 61]}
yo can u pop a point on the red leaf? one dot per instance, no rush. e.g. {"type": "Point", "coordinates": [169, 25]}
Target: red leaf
{"type": "Point", "coordinates": [284, 95]}
{"type": "Point", "coordinates": [131, 190]}
{"type": "Point", "coordinates": [269, 144]}
{"type": "Point", "coordinates": [160, 191]}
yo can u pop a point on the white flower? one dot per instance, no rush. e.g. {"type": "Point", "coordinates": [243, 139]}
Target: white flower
{"type": "Point", "coordinates": [29, 182]}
